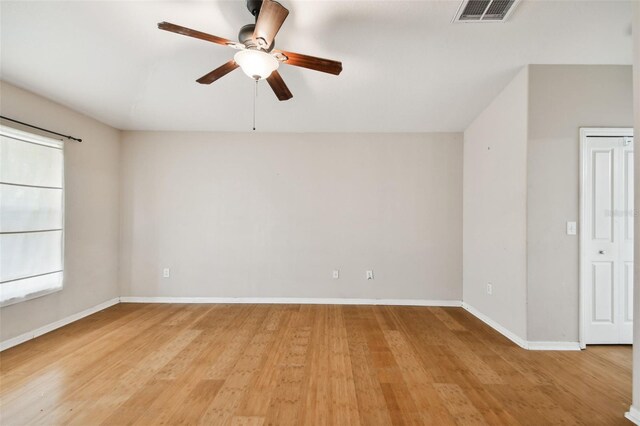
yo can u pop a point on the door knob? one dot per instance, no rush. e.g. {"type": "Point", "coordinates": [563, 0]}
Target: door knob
{"type": "Point", "coordinates": [601, 252]}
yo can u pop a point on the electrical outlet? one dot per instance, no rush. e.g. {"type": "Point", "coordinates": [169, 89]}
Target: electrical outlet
{"type": "Point", "coordinates": [369, 275]}
{"type": "Point", "coordinates": [336, 274]}
{"type": "Point", "coordinates": [489, 288]}
{"type": "Point", "coordinates": [166, 273]}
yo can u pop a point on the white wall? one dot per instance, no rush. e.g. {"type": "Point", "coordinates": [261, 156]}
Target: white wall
{"type": "Point", "coordinates": [495, 164]}
{"type": "Point", "coordinates": [563, 98]}
{"type": "Point", "coordinates": [91, 210]}
{"type": "Point", "coordinates": [271, 215]}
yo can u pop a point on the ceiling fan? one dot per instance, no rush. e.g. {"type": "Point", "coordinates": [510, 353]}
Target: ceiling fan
{"type": "Point", "coordinates": [256, 54]}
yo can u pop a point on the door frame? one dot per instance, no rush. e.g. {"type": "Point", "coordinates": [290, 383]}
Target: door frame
{"type": "Point", "coordinates": [585, 134]}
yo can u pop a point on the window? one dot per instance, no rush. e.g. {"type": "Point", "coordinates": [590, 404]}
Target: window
{"type": "Point", "coordinates": [31, 215]}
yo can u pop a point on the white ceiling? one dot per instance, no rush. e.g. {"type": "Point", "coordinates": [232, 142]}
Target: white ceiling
{"type": "Point", "coordinates": [407, 68]}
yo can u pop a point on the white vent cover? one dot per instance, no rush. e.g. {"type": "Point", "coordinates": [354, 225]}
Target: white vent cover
{"type": "Point", "coordinates": [485, 10]}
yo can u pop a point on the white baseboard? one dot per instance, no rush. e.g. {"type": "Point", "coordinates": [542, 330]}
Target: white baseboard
{"type": "Point", "coordinates": [633, 414]}
{"type": "Point", "coordinates": [292, 300]}
{"type": "Point", "coordinates": [532, 346]}
{"type": "Point", "coordinates": [499, 328]}
{"type": "Point", "coordinates": [9, 343]}
{"type": "Point", "coordinates": [554, 346]}
{"type": "Point", "coordinates": [546, 346]}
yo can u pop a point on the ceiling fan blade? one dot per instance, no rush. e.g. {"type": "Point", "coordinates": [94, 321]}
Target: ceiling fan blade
{"type": "Point", "coordinates": [167, 26]}
{"type": "Point", "coordinates": [270, 18]}
{"type": "Point", "coordinates": [221, 71]}
{"type": "Point", "coordinates": [278, 86]}
{"type": "Point", "coordinates": [311, 62]}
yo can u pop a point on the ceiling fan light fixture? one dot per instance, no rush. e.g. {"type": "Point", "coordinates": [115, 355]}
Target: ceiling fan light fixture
{"type": "Point", "coordinates": [256, 64]}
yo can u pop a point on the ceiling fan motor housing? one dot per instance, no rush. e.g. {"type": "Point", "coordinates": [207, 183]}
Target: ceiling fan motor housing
{"type": "Point", "coordinates": [245, 36]}
{"type": "Point", "coordinates": [246, 33]}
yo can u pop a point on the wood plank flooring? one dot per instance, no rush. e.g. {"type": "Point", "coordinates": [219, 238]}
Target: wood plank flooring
{"type": "Point", "coordinates": [303, 365]}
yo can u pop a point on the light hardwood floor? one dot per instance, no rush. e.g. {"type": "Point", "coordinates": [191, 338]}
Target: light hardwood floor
{"type": "Point", "coordinates": [303, 364]}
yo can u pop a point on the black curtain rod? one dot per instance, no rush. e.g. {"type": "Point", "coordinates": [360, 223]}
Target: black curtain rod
{"type": "Point", "coordinates": [40, 128]}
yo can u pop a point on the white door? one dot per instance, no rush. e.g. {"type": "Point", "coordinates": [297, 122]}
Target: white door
{"type": "Point", "coordinates": [608, 245]}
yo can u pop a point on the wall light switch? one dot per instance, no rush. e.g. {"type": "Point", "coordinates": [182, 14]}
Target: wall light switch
{"type": "Point", "coordinates": [572, 228]}
{"type": "Point", "coordinates": [489, 288]}
{"type": "Point", "coordinates": [166, 273]}
{"type": "Point", "coordinates": [369, 275]}
{"type": "Point", "coordinates": [336, 274]}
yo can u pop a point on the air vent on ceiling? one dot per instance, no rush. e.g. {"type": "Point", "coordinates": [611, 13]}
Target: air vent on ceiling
{"type": "Point", "coordinates": [485, 10]}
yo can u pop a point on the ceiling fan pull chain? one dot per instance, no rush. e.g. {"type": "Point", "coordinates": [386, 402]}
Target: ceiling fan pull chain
{"type": "Point", "coordinates": [255, 96]}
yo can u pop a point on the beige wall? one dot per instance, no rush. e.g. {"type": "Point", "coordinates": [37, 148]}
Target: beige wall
{"type": "Point", "coordinates": [495, 164]}
{"type": "Point", "coordinates": [563, 98]}
{"type": "Point", "coordinates": [530, 177]}
{"type": "Point", "coordinates": [271, 215]}
{"type": "Point", "coordinates": [91, 210]}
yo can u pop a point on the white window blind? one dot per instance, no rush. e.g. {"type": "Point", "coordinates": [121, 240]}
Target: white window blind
{"type": "Point", "coordinates": [31, 215]}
